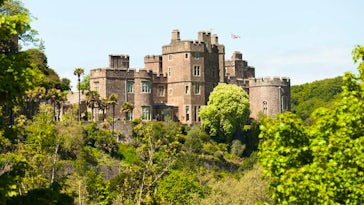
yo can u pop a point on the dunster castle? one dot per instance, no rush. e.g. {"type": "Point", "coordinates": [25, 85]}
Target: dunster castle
{"type": "Point", "coordinates": [174, 85]}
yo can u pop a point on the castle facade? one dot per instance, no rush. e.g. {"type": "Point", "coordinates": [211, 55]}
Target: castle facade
{"type": "Point", "coordinates": [174, 85]}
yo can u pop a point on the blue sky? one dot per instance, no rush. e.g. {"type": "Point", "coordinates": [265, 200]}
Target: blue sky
{"type": "Point", "coordinates": [304, 40]}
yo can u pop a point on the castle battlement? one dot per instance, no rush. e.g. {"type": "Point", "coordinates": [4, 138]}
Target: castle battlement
{"type": "Point", "coordinates": [198, 43]}
{"type": "Point", "coordinates": [269, 81]}
{"type": "Point", "coordinates": [184, 46]}
{"type": "Point", "coordinates": [143, 73]}
{"type": "Point", "coordinates": [176, 83]}
{"type": "Point", "coordinates": [152, 58]}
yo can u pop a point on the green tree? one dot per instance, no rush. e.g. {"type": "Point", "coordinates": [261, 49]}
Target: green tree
{"type": "Point", "coordinates": [310, 96]}
{"type": "Point", "coordinates": [85, 83]}
{"type": "Point", "coordinates": [65, 84]}
{"type": "Point", "coordinates": [226, 112]}
{"type": "Point", "coordinates": [179, 188]}
{"type": "Point", "coordinates": [322, 163]}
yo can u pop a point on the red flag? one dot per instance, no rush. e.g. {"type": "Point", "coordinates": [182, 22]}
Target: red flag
{"type": "Point", "coordinates": [234, 36]}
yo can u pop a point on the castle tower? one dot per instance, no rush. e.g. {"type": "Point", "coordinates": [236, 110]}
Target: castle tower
{"type": "Point", "coordinates": [269, 96]}
{"type": "Point", "coordinates": [153, 63]}
{"type": "Point", "coordinates": [193, 70]}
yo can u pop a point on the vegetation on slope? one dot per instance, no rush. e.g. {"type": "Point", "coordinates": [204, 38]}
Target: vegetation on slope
{"type": "Point", "coordinates": [307, 97]}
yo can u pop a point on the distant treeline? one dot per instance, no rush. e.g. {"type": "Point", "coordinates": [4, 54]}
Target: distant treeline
{"type": "Point", "coordinates": [307, 97]}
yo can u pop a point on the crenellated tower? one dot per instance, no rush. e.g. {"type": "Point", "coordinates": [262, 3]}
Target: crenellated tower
{"type": "Point", "coordinates": [175, 84]}
{"type": "Point", "coordinates": [269, 96]}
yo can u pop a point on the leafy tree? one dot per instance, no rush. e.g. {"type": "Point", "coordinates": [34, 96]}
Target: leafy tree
{"type": "Point", "coordinates": [179, 188]}
{"type": "Point", "coordinates": [321, 163]}
{"type": "Point", "coordinates": [85, 83]}
{"type": "Point", "coordinates": [246, 189]}
{"type": "Point", "coordinates": [226, 112]}
{"type": "Point", "coordinates": [65, 84]}
{"type": "Point", "coordinates": [310, 96]}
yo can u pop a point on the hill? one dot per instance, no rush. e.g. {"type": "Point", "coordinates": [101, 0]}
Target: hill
{"type": "Point", "coordinates": [307, 97]}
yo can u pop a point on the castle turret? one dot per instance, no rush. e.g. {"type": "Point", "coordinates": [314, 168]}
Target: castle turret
{"type": "Point", "coordinates": [214, 39]}
{"type": "Point", "coordinates": [119, 61]}
{"type": "Point", "coordinates": [269, 96]}
{"type": "Point", "coordinates": [153, 63]}
{"type": "Point", "coordinates": [175, 35]}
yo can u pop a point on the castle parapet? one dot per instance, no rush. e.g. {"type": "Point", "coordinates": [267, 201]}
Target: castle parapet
{"type": "Point", "coordinates": [269, 81]}
{"type": "Point", "coordinates": [152, 59]}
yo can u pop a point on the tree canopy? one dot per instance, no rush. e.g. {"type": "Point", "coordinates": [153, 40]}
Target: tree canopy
{"type": "Point", "coordinates": [226, 111]}
{"type": "Point", "coordinates": [322, 163]}
{"type": "Point", "coordinates": [307, 97]}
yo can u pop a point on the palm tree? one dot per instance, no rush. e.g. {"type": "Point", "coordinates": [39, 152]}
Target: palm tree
{"type": "Point", "coordinates": [113, 98]}
{"type": "Point", "coordinates": [56, 98]}
{"type": "Point", "coordinates": [127, 108]}
{"type": "Point", "coordinates": [79, 72]}
{"type": "Point", "coordinates": [103, 106]}
{"type": "Point", "coordinates": [93, 100]}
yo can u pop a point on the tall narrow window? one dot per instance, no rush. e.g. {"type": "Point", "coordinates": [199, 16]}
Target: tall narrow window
{"type": "Point", "coordinates": [186, 55]}
{"type": "Point", "coordinates": [96, 86]}
{"type": "Point", "coordinates": [265, 107]}
{"type": "Point", "coordinates": [170, 91]}
{"type": "Point", "coordinates": [284, 103]}
{"type": "Point", "coordinates": [170, 57]}
{"type": "Point", "coordinates": [187, 90]}
{"type": "Point", "coordinates": [196, 70]}
{"type": "Point", "coordinates": [145, 113]}
{"type": "Point", "coordinates": [169, 71]}
{"type": "Point", "coordinates": [161, 91]}
{"type": "Point", "coordinates": [196, 88]}
{"type": "Point", "coordinates": [195, 118]}
{"type": "Point", "coordinates": [129, 115]}
{"type": "Point", "coordinates": [130, 86]}
{"type": "Point", "coordinates": [146, 87]}
{"type": "Point", "coordinates": [187, 113]}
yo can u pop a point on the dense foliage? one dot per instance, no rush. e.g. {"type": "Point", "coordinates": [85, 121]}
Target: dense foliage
{"type": "Point", "coordinates": [226, 112]}
{"type": "Point", "coordinates": [308, 97]}
{"type": "Point", "coordinates": [322, 163]}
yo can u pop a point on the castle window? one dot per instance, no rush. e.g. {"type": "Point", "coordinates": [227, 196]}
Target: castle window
{"type": "Point", "coordinates": [161, 91]}
{"type": "Point", "coordinates": [146, 87]}
{"type": "Point", "coordinates": [96, 86]}
{"type": "Point", "coordinates": [265, 107]}
{"type": "Point", "coordinates": [196, 88]}
{"type": "Point", "coordinates": [196, 55]}
{"type": "Point", "coordinates": [145, 113]}
{"type": "Point", "coordinates": [170, 91]}
{"type": "Point", "coordinates": [170, 57]}
{"type": "Point", "coordinates": [196, 116]}
{"type": "Point", "coordinates": [129, 115]}
{"type": "Point", "coordinates": [186, 55]}
{"type": "Point", "coordinates": [130, 86]}
{"type": "Point", "coordinates": [187, 113]}
{"type": "Point", "coordinates": [187, 90]}
{"type": "Point", "coordinates": [284, 103]}
{"type": "Point", "coordinates": [196, 70]}
{"type": "Point", "coordinates": [169, 71]}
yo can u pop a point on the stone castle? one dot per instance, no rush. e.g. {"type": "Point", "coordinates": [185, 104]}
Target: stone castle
{"type": "Point", "coordinates": [174, 85]}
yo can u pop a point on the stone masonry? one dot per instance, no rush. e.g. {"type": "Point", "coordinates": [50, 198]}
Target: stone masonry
{"type": "Point", "coordinates": [174, 85]}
